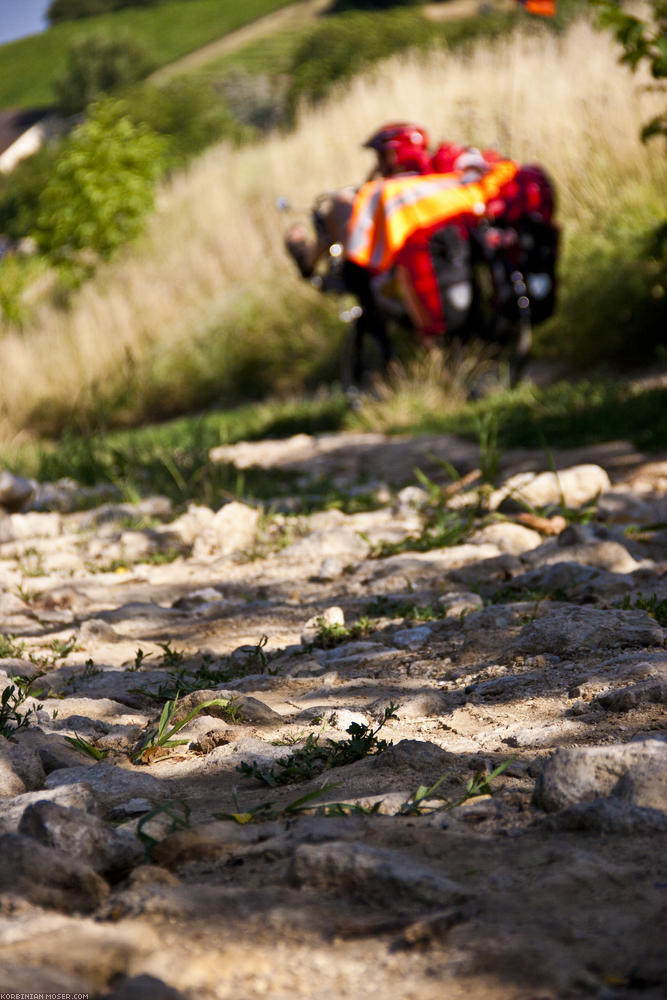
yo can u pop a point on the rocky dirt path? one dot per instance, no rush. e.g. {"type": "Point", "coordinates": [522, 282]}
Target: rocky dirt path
{"type": "Point", "coordinates": [428, 768]}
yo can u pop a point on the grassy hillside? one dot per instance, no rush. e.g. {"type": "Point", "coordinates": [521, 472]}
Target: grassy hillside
{"type": "Point", "coordinates": [207, 309]}
{"type": "Point", "coordinates": [167, 31]}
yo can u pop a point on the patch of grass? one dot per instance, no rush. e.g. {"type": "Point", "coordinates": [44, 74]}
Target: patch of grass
{"type": "Point", "coordinates": [178, 813]}
{"type": "Point", "coordinates": [330, 635]}
{"type": "Point", "coordinates": [348, 43]}
{"type": "Point", "coordinates": [97, 753]}
{"type": "Point", "coordinates": [32, 562]}
{"type": "Point", "coordinates": [613, 302]}
{"type": "Point", "coordinates": [211, 671]}
{"type": "Point", "coordinates": [27, 595]}
{"type": "Point", "coordinates": [478, 784]}
{"type": "Point", "coordinates": [161, 737]}
{"type": "Point", "coordinates": [11, 647]}
{"type": "Point", "coordinates": [172, 459]}
{"type": "Point", "coordinates": [443, 528]}
{"type": "Point", "coordinates": [384, 607]}
{"type": "Point", "coordinates": [568, 414]}
{"type": "Point", "coordinates": [166, 32]}
{"type": "Point", "coordinates": [315, 757]}
{"type": "Point", "coordinates": [266, 810]}
{"type": "Point", "coordinates": [653, 605]}
{"type": "Point", "coordinates": [12, 698]}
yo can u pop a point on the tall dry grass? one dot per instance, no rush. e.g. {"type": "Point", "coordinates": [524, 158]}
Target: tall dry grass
{"type": "Point", "coordinates": [215, 239]}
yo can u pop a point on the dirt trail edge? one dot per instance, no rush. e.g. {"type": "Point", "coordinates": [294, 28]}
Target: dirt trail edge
{"type": "Point", "coordinates": [417, 750]}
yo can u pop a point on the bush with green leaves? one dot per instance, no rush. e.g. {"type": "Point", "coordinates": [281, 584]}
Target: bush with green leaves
{"type": "Point", "coordinates": [97, 65]}
{"type": "Point", "coordinates": [72, 10]}
{"type": "Point", "coordinates": [644, 40]}
{"type": "Point", "coordinates": [186, 112]}
{"type": "Point", "coordinates": [341, 5]}
{"type": "Point", "coordinates": [348, 43]}
{"type": "Point", "coordinates": [102, 187]}
{"type": "Point", "coordinates": [20, 191]}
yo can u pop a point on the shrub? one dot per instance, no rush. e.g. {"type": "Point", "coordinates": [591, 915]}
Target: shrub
{"type": "Point", "coordinates": [347, 44]}
{"type": "Point", "coordinates": [20, 192]}
{"type": "Point", "coordinates": [643, 41]}
{"type": "Point", "coordinates": [98, 65]}
{"type": "Point", "coordinates": [339, 48]}
{"type": "Point", "coordinates": [254, 99]}
{"type": "Point", "coordinates": [189, 115]}
{"type": "Point", "coordinates": [72, 10]}
{"type": "Point", "coordinates": [102, 186]}
{"type": "Point", "coordinates": [341, 5]}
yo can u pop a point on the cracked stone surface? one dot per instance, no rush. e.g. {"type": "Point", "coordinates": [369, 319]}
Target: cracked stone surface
{"type": "Point", "coordinates": [504, 834]}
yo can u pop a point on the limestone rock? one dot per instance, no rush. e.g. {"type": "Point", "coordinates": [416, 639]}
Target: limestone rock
{"type": "Point", "coordinates": [340, 542]}
{"type": "Point", "coordinates": [412, 638]}
{"type": "Point", "coordinates": [460, 602]}
{"type": "Point", "coordinates": [17, 527]}
{"type": "Point", "coordinates": [82, 835]}
{"type": "Point", "coordinates": [48, 877]}
{"type": "Point", "coordinates": [51, 749]}
{"type": "Point", "coordinates": [635, 772]}
{"type": "Point", "coordinates": [112, 785]}
{"type": "Point", "coordinates": [508, 537]}
{"type": "Point", "coordinates": [76, 796]}
{"type": "Point", "coordinates": [573, 630]}
{"type": "Point", "coordinates": [20, 769]}
{"type": "Point", "coordinates": [231, 529]}
{"type": "Point", "coordinates": [247, 709]}
{"type": "Point", "coordinates": [329, 618]}
{"type": "Point", "coordinates": [611, 816]}
{"type": "Point", "coordinates": [191, 524]}
{"type": "Point", "coordinates": [381, 876]}
{"type": "Point", "coordinates": [575, 487]}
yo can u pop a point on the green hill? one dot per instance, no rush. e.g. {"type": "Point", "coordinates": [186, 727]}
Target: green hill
{"type": "Point", "coordinates": [29, 66]}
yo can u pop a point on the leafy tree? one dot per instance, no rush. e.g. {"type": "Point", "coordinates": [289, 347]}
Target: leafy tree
{"type": "Point", "coordinates": [643, 41]}
{"type": "Point", "coordinates": [102, 187]}
{"type": "Point", "coordinates": [98, 65]}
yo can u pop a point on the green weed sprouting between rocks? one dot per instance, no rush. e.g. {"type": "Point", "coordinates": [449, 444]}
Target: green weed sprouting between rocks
{"type": "Point", "coordinates": [418, 804]}
{"type": "Point", "coordinates": [333, 634]}
{"type": "Point", "coordinates": [178, 812]}
{"type": "Point", "coordinates": [315, 757]}
{"type": "Point", "coordinates": [11, 648]}
{"type": "Point", "coordinates": [212, 670]}
{"type": "Point", "coordinates": [79, 743]}
{"type": "Point", "coordinates": [653, 605]}
{"type": "Point", "coordinates": [479, 784]}
{"type": "Point", "coordinates": [267, 811]}
{"type": "Point", "coordinates": [161, 737]}
{"type": "Point", "coordinates": [13, 696]}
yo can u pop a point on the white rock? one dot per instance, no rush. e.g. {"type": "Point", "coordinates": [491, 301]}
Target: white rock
{"type": "Point", "coordinates": [509, 537]}
{"type": "Point", "coordinates": [231, 529]}
{"type": "Point", "coordinates": [576, 486]}
{"type": "Point", "coordinates": [319, 545]}
{"type": "Point", "coordinates": [191, 524]}
{"type": "Point", "coordinates": [32, 525]}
